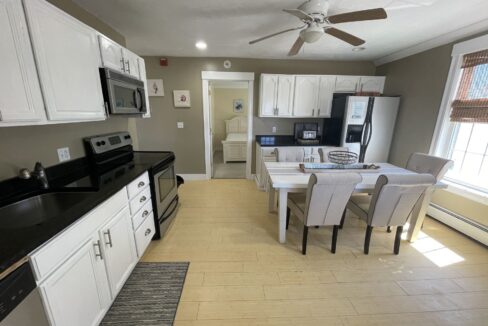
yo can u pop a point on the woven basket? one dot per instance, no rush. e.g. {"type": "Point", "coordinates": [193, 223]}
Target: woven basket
{"type": "Point", "coordinates": [342, 157]}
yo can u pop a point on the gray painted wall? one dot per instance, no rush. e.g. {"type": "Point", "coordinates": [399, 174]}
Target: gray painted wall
{"type": "Point", "coordinates": [23, 146]}
{"type": "Point", "coordinates": [160, 132]}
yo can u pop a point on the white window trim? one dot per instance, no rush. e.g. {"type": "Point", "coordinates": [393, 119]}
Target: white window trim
{"type": "Point", "coordinates": [443, 128]}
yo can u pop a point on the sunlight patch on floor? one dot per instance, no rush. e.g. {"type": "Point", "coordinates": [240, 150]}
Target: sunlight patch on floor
{"type": "Point", "coordinates": [435, 251]}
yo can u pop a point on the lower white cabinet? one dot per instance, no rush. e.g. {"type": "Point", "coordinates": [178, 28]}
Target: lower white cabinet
{"type": "Point", "coordinates": [119, 249]}
{"type": "Point", "coordinates": [78, 294]}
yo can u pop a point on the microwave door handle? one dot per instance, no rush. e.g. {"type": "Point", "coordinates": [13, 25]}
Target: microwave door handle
{"type": "Point", "coordinates": [142, 106]}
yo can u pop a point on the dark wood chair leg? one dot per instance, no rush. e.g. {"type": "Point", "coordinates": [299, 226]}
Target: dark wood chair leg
{"type": "Point", "coordinates": [388, 229]}
{"type": "Point", "coordinates": [317, 226]}
{"type": "Point", "coordinates": [335, 231]}
{"type": "Point", "coordinates": [398, 238]}
{"type": "Point", "coordinates": [304, 241]}
{"type": "Point", "coordinates": [367, 239]}
{"type": "Point", "coordinates": [343, 219]}
{"type": "Point", "coordinates": [288, 213]}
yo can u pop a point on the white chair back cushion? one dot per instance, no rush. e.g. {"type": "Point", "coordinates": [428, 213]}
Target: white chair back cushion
{"type": "Point", "coordinates": [395, 196]}
{"type": "Point", "coordinates": [327, 196]}
{"type": "Point", "coordinates": [324, 152]}
{"type": "Point", "coordinates": [423, 163]}
{"type": "Point", "coordinates": [289, 154]}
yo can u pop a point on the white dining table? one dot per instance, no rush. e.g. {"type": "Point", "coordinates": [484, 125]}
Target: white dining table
{"type": "Point", "coordinates": [286, 177]}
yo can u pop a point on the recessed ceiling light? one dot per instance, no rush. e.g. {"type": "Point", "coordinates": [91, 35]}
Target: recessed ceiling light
{"type": "Point", "coordinates": [358, 49]}
{"type": "Point", "coordinates": [201, 45]}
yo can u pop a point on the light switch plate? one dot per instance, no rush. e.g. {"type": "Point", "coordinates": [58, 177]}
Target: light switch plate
{"type": "Point", "coordinates": [63, 154]}
{"type": "Point", "coordinates": [180, 125]}
{"type": "Point", "coordinates": [274, 129]}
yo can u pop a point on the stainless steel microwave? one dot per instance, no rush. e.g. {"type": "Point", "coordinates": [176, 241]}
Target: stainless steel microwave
{"type": "Point", "coordinates": [122, 94]}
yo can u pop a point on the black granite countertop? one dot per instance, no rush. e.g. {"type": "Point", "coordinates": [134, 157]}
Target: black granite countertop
{"type": "Point", "coordinates": [281, 140]}
{"type": "Point", "coordinates": [17, 243]}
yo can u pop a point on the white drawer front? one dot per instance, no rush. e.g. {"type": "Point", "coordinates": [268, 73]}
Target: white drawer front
{"type": "Point", "coordinates": [140, 200]}
{"type": "Point", "coordinates": [144, 234]}
{"type": "Point", "coordinates": [268, 151]}
{"type": "Point", "coordinates": [137, 185]}
{"type": "Point", "coordinates": [58, 249]}
{"type": "Point", "coordinates": [141, 215]}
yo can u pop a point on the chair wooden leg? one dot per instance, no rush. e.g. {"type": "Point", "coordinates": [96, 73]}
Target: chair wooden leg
{"type": "Point", "coordinates": [304, 241]}
{"type": "Point", "coordinates": [335, 231]}
{"type": "Point", "coordinates": [388, 229]}
{"type": "Point", "coordinates": [343, 219]}
{"type": "Point", "coordinates": [398, 238]}
{"type": "Point", "coordinates": [288, 213]}
{"type": "Point", "coordinates": [367, 239]}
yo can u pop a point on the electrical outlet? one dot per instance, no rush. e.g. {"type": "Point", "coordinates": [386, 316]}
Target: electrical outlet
{"type": "Point", "coordinates": [274, 129]}
{"type": "Point", "coordinates": [180, 125]}
{"type": "Point", "coordinates": [63, 154]}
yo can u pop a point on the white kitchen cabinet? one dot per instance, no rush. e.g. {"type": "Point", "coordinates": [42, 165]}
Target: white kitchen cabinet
{"type": "Point", "coordinates": [20, 92]}
{"type": "Point", "coordinates": [372, 84]}
{"type": "Point", "coordinates": [112, 55]}
{"type": "Point", "coordinates": [284, 95]}
{"type": "Point", "coordinates": [267, 98]}
{"type": "Point", "coordinates": [325, 96]}
{"type": "Point", "coordinates": [77, 294]}
{"type": "Point", "coordinates": [348, 84]}
{"type": "Point", "coordinates": [142, 72]}
{"type": "Point", "coordinates": [68, 58]}
{"type": "Point", "coordinates": [131, 63]}
{"type": "Point", "coordinates": [306, 93]}
{"type": "Point", "coordinates": [119, 249]}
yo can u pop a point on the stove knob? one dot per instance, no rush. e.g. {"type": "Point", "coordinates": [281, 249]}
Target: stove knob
{"type": "Point", "coordinates": [98, 143]}
{"type": "Point", "coordinates": [127, 136]}
{"type": "Point", "coordinates": [103, 143]}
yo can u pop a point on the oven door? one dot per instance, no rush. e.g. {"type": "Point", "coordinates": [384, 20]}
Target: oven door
{"type": "Point", "coordinates": [166, 189]}
{"type": "Point", "coordinates": [125, 97]}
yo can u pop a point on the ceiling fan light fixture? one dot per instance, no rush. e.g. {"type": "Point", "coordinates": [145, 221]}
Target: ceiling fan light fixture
{"type": "Point", "coordinates": [312, 34]}
{"type": "Point", "coordinates": [358, 49]}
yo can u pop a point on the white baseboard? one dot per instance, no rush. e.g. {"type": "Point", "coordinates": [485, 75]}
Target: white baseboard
{"type": "Point", "coordinates": [460, 223]}
{"type": "Point", "coordinates": [193, 177]}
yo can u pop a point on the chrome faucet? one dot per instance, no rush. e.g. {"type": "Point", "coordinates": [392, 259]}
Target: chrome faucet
{"type": "Point", "coordinates": [39, 173]}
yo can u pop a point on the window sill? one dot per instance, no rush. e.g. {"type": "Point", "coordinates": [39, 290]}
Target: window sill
{"type": "Point", "coordinates": [469, 193]}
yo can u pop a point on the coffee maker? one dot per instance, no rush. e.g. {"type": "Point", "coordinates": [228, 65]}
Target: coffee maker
{"type": "Point", "coordinates": [307, 133]}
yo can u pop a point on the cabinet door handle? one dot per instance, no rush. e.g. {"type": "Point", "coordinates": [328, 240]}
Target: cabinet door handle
{"type": "Point", "coordinates": [123, 64]}
{"type": "Point", "coordinates": [318, 113]}
{"type": "Point", "coordinates": [145, 213]}
{"type": "Point", "coordinates": [313, 112]}
{"type": "Point", "coordinates": [148, 232]}
{"type": "Point", "coordinates": [143, 199]}
{"type": "Point", "coordinates": [107, 233]}
{"type": "Point", "coordinates": [99, 253]}
{"type": "Point", "coordinates": [128, 66]}
{"type": "Point", "coordinates": [140, 184]}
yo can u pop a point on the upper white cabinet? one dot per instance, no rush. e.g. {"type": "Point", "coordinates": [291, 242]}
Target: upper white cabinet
{"type": "Point", "coordinates": [131, 63]}
{"type": "Point", "coordinates": [284, 95]}
{"type": "Point", "coordinates": [68, 58]}
{"type": "Point", "coordinates": [347, 83]}
{"type": "Point", "coordinates": [326, 93]}
{"type": "Point", "coordinates": [112, 56]}
{"type": "Point", "coordinates": [372, 84]}
{"type": "Point", "coordinates": [267, 99]}
{"type": "Point", "coordinates": [20, 93]}
{"type": "Point", "coordinates": [306, 96]}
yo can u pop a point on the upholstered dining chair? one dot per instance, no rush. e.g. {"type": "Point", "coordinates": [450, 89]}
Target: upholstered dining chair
{"type": "Point", "coordinates": [393, 199]}
{"type": "Point", "coordinates": [323, 203]}
{"type": "Point", "coordinates": [324, 152]}
{"type": "Point", "coordinates": [289, 154]}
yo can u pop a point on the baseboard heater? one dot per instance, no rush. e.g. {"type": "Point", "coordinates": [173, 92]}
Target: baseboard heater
{"type": "Point", "coordinates": [460, 223]}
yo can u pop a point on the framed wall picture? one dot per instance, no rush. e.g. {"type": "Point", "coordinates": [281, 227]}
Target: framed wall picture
{"type": "Point", "coordinates": [155, 87]}
{"type": "Point", "coordinates": [238, 106]}
{"type": "Point", "coordinates": [182, 98]}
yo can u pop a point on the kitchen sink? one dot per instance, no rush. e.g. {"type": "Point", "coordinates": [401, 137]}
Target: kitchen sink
{"type": "Point", "coordinates": [38, 209]}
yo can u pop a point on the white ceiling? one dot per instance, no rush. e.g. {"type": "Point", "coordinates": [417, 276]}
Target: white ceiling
{"type": "Point", "coordinates": [171, 27]}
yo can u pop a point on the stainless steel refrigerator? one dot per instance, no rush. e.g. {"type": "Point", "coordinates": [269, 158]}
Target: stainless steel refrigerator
{"type": "Point", "coordinates": [368, 126]}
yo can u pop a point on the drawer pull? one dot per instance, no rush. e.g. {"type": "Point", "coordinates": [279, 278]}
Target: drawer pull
{"type": "Point", "coordinates": [109, 238]}
{"type": "Point", "coordinates": [99, 252]}
{"type": "Point", "coordinates": [145, 213]}
{"type": "Point", "coordinates": [143, 199]}
{"type": "Point", "coordinates": [140, 184]}
{"type": "Point", "coordinates": [148, 231]}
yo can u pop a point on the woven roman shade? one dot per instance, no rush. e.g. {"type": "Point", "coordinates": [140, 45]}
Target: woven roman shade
{"type": "Point", "coordinates": [471, 103]}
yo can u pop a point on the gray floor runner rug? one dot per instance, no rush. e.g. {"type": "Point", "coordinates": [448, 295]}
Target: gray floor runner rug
{"type": "Point", "coordinates": [150, 296]}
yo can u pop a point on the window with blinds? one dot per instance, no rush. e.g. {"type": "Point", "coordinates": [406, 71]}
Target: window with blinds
{"type": "Point", "coordinates": [471, 102]}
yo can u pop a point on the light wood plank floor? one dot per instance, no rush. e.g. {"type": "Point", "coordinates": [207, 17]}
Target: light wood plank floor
{"type": "Point", "coordinates": [240, 275]}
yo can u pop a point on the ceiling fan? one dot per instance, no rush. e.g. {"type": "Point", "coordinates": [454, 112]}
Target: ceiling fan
{"type": "Point", "coordinates": [313, 13]}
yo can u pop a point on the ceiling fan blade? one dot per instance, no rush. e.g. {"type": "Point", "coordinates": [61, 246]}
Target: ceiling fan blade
{"type": "Point", "coordinates": [275, 34]}
{"type": "Point", "coordinates": [300, 14]}
{"type": "Point", "coordinates": [346, 37]}
{"type": "Point", "coordinates": [296, 47]}
{"type": "Point", "coordinates": [355, 16]}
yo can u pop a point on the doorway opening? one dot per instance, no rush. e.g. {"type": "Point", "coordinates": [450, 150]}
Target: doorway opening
{"type": "Point", "coordinates": [228, 114]}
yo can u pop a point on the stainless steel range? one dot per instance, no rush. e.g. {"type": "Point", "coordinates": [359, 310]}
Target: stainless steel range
{"type": "Point", "coordinates": [111, 153]}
